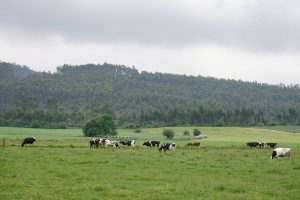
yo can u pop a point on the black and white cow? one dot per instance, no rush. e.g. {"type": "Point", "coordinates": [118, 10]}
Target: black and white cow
{"type": "Point", "coordinates": [253, 144]}
{"type": "Point", "coordinates": [128, 143]}
{"type": "Point", "coordinates": [272, 145]}
{"type": "Point", "coordinates": [110, 143]}
{"type": "Point", "coordinates": [152, 143]}
{"type": "Point", "coordinates": [95, 143]}
{"type": "Point", "coordinates": [167, 146]}
{"type": "Point", "coordinates": [281, 152]}
{"type": "Point", "coordinates": [29, 140]}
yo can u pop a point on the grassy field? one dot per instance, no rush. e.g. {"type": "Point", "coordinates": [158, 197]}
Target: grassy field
{"type": "Point", "coordinates": [62, 167]}
{"type": "Point", "coordinates": [291, 129]}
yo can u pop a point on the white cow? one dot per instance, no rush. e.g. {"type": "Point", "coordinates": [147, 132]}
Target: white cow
{"type": "Point", "coordinates": [281, 152]}
{"type": "Point", "coordinates": [112, 143]}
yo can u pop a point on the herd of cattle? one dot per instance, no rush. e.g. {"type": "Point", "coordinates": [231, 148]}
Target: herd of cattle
{"type": "Point", "coordinates": [261, 144]}
{"type": "Point", "coordinates": [276, 153]}
{"type": "Point", "coordinates": [96, 143]}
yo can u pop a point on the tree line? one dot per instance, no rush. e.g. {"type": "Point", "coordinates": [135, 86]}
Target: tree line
{"type": "Point", "coordinates": [75, 94]}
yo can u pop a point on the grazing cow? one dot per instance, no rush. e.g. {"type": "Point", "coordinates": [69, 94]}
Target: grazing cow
{"type": "Point", "coordinates": [193, 144]}
{"type": "Point", "coordinates": [281, 152]}
{"type": "Point", "coordinates": [253, 144]}
{"type": "Point", "coordinates": [95, 143]}
{"type": "Point", "coordinates": [152, 143]}
{"type": "Point", "coordinates": [272, 145]}
{"type": "Point", "coordinates": [167, 146]}
{"type": "Point", "coordinates": [29, 140]}
{"type": "Point", "coordinates": [128, 143]}
{"type": "Point", "coordinates": [114, 144]}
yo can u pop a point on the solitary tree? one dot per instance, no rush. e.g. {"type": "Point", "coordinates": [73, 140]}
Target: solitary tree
{"type": "Point", "coordinates": [168, 133]}
{"type": "Point", "coordinates": [197, 132]}
{"type": "Point", "coordinates": [102, 125]}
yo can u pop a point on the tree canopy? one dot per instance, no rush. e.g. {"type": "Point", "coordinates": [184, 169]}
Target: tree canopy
{"type": "Point", "coordinates": [136, 99]}
{"type": "Point", "coordinates": [102, 125]}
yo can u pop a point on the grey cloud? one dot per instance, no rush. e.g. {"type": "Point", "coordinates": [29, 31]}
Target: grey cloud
{"type": "Point", "coordinates": [269, 26]}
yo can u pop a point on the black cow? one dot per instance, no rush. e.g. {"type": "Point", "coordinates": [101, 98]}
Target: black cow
{"type": "Point", "coordinates": [167, 146]}
{"type": "Point", "coordinates": [253, 144]}
{"type": "Point", "coordinates": [29, 140]}
{"type": "Point", "coordinates": [272, 145]}
{"type": "Point", "coordinates": [152, 143]}
{"type": "Point", "coordinates": [128, 143]}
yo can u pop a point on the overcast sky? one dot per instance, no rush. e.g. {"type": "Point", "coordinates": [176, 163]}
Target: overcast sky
{"type": "Point", "coordinates": [253, 40]}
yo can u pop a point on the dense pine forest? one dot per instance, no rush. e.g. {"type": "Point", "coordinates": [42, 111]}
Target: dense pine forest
{"type": "Point", "coordinates": [139, 99]}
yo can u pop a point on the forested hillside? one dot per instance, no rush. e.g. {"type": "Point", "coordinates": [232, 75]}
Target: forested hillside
{"type": "Point", "coordinates": [137, 99]}
{"type": "Point", "coordinates": [10, 71]}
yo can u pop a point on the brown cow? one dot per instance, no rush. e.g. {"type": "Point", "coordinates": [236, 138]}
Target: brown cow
{"type": "Point", "coordinates": [193, 144]}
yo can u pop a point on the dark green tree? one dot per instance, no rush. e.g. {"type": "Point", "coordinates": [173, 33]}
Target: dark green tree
{"type": "Point", "coordinates": [102, 125]}
{"type": "Point", "coordinates": [168, 133]}
{"type": "Point", "coordinates": [196, 132]}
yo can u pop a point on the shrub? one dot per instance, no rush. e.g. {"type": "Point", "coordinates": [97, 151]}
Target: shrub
{"type": "Point", "coordinates": [137, 130]}
{"type": "Point", "coordinates": [168, 133]}
{"type": "Point", "coordinates": [197, 132]}
{"type": "Point", "coordinates": [186, 133]}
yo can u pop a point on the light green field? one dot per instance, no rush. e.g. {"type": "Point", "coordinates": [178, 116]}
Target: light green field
{"type": "Point", "coordinates": [291, 129]}
{"type": "Point", "coordinates": [222, 168]}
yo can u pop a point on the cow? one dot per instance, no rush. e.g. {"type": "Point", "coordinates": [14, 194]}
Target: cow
{"type": "Point", "coordinates": [29, 140]}
{"type": "Point", "coordinates": [128, 143]}
{"type": "Point", "coordinates": [272, 145]}
{"type": "Point", "coordinates": [253, 144]}
{"type": "Point", "coordinates": [114, 144]}
{"type": "Point", "coordinates": [281, 152]}
{"type": "Point", "coordinates": [95, 143]}
{"type": "Point", "coordinates": [193, 144]}
{"type": "Point", "coordinates": [152, 143]}
{"type": "Point", "coordinates": [167, 146]}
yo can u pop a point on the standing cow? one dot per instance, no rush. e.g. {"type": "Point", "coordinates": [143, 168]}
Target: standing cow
{"type": "Point", "coordinates": [128, 143]}
{"type": "Point", "coordinates": [167, 146]}
{"type": "Point", "coordinates": [112, 143]}
{"type": "Point", "coordinates": [253, 144]}
{"type": "Point", "coordinates": [272, 145]}
{"type": "Point", "coordinates": [95, 143]}
{"type": "Point", "coordinates": [193, 144]}
{"type": "Point", "coordinates": [29, 140]}
{"type": "Point", "coordinates": [152, 143]}
{"type": "Point", "coordinates": [281, 152]}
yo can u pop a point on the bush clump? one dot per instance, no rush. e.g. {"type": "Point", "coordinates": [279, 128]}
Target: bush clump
{"type": "Point", "coordinates": [168, 133]}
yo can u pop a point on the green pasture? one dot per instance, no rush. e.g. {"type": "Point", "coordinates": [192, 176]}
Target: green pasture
{"type": "Point", "coordinates": [62, 167]}
{"type": "Point", "coordinates": [291, 129]}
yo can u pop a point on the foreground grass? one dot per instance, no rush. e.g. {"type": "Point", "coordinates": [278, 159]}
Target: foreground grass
{"type": "Point", "coordinates": [207, 173]}
{"type": "Point", "coordinates": [222, 168]}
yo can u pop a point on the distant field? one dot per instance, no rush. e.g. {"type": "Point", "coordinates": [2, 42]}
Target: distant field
{"type": "Point", "coordinates": [222, 168]}
{"type": "Point", "coordinates": [217, 136]}
{"type": "Point", "coordinates": [291, 129]}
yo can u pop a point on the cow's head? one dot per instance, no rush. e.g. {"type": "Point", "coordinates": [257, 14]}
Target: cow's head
{"type": "Point", "coordinates": [273, 155]}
